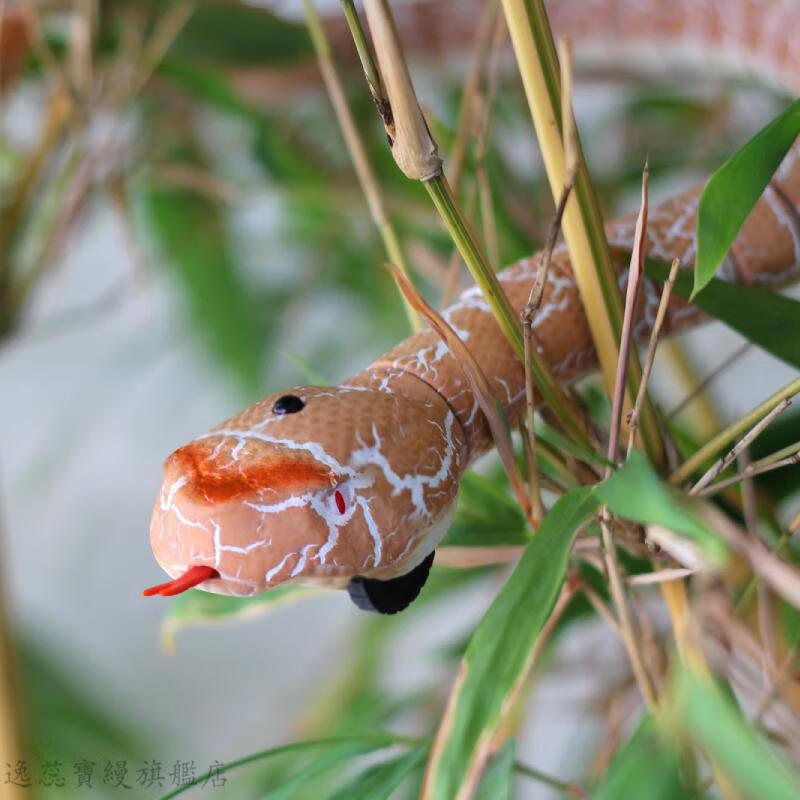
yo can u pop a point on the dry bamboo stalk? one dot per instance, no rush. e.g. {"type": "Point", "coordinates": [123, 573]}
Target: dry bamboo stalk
{"type": "Point", "coordinates": [701, 386]}
{"type": "Point", "coordinates": [413, 147]}
{"type": "Point", "coordinates": [666, 293]}
{"type": "Point", "coordinates": [625, 346]}
{"type": "Point", "coordinates": [358, 153]}
{"type": "Point", "coordinates": [721, 464]}
{"type": "Point", "coordinates": [582, 223]}
{"type": "Point", "coordinates": [757, 468]}
{"type": "Point", "coordinates": [727, 435]}
{"type": "Point", "coordinates": [13, 743]}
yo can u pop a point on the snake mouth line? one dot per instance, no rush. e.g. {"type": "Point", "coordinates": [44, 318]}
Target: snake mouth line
{"type": "Point", "coordinates": [192, 577]}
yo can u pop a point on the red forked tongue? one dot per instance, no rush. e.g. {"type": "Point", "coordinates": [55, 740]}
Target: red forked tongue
{"type": "Point", "coordinates": [190, 578]}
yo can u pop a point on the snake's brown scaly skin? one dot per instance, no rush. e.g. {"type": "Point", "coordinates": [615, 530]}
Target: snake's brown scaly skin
{"type": "Point", "coordinates": [363, 480]}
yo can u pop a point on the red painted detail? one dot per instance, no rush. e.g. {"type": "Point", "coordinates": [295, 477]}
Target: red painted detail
{"type": "Point", "coordinates": [190, 578]}
{"type": "Point", "coordinates": [213, 480]}
{"type": "Point", "coordinates": [337, 496]}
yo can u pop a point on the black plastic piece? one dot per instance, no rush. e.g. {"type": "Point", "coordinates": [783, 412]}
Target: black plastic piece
{"type": "Point", "coordinates": [389, 597]}
{"type": "Point", "coordinates": [288, 404]}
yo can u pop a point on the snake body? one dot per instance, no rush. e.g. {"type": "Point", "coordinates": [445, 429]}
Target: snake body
{"type": "Point", "coordinates": [325, 485]}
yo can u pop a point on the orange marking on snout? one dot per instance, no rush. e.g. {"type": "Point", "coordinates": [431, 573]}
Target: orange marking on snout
{"type": "Point", "coordinates": [214, 483]}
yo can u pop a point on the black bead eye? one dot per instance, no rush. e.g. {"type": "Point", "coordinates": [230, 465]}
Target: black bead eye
{"type": "Point", "coordinates": [288, 404]}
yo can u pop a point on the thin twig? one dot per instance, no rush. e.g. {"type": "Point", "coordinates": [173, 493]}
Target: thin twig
{"type": "Point", "coordinates": [661, 576]}
{"type": "Point", "coordinates": [483, 38]}
{"type": "Point", "coordinates": [567, 788]}
{"type": "Point", "coordinates": [756, 468]}
{"type": "Point", "coordinates": [600, 606]}
{"type": "Point", "coordinates": [532, 462]}
{"type": "Point", "coordinates": [727, 435]}
{"type": "Point", "coordinates": [527, 316]}
{"type": "Point", "coordinates": [487, 400]}
{"type": "Point", "coordinates": [616, 587]}
{"type": "Point", "coordinates": [722, 464]}
{"type": "Point", "coordinates": [666, 292]}
{"type": "Point", "coordinates": [41, 46]}
{"type": "Point", "coordinates": [358, 153]}
{"type": "Point", "coordinates": [627, 632]}
{"type": "Point", "coordinates": [707, 381]}
{"type": "Point", "coordinates": [488, 226]}
{"type": "Point", "coordinates": [594, 272]}
{"type": "Point", "coordinates": [783, 676]}
{"type": "Point", "coordinates": [486, 107]}
{"type": "Point", "coordinates": [168, 30]}
{"type": "Point", "coordinates": [753, 583]}
{"type": "Point", "coordinates": [635, 273]}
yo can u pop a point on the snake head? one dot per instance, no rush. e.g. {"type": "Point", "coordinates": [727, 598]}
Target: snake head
{"type": "Point", "coordinates": [316, 485]}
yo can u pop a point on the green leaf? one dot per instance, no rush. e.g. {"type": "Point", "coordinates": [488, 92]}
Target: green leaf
{"type": "Point", "coordinates": [499, 653]}
{"type": "Point", "coordinates": [710, 719]}
{"type": "Point", "coordinates": [486, 516]}
{"type": "Point", "coordinates": [209, 86]}
{"type": "Point", "coordinates": [356, 744]}
{"type": "Point", "coordinates": [497, 782]}
{"type": "Point", "coordinates": [66, 716]}
{"type": "Point", "coordinates": [189, 236]}
{"type": "Point", "coordinates": [381, 780]}
{"type": "Point", "coordinates": [645, 766]}
{"type": "Point", "coordinates": [240, 35]}
{"type": "Point", "coordinates": [276, 145]}
{"type": "Point", "coordinates": [560, 443]}
{"type": "Point", "coordinates": [770, 320]}
{"type": "Point", "coordinates": [734, 188]}
{"type": "Point", "coordinates": [200, 608]}
{"type": "Point", "coordinates": [635, 492]}
{"type": "Point", "coordinates": [319, 765]}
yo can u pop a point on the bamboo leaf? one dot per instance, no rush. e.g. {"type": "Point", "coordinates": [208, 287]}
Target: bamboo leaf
{"type": "Point", "coordinates": [319, 765]}
{"type": "Point", "coordinates": [356, 744]}
{"type": "Point", "coordinates": [645, 766]}
{"type": "Point", "coordinates": [734, 188]}
{"type": "Point", "coordinates": [498, 780]}
{"type": "Point", "coordinates": [486, 516]}
{"type": "Point", "coordinates": [560, 443]}
{"type": "Point", "coordinates": [241, 35]}
{"type": "Point", "coordinates": [189, 236]}
{"type": "Point", "coordinates": [770, 320]}
{"type": "Point", "coordinates": [635, 492]}
{"type": "Point", "coordinates": [701, 711]}
{"type": "Point", "coordinates": [381, 780]}
{"type": "Point", "coordinates": [500, 651]}
{"type": "Point", "coordinates": [275, 146]}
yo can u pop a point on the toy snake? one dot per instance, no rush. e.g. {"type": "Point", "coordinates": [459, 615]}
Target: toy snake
{"type": "Point", "coordinates": [353, 486]}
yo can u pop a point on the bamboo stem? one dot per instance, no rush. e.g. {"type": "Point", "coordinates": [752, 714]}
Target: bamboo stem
{"type": "Point", "coordinates": [721, 465]}
{"type": "Point", "coordinates": [415, 153]}
{"type": "Point", "coordinates": [13, 741]}
{"type": "Point", "coordinates": [582, 225]}
{"type": "Point", "coordinates": [460, 231]}
{"type": "Point", "coordinates": [666, 293]}
{"type": "Point", "coordinates": [626, 628]}
{"type": "Point", "coordinates": [727, 435]}
{"type": "Point", "coordinates": [358, 153]}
